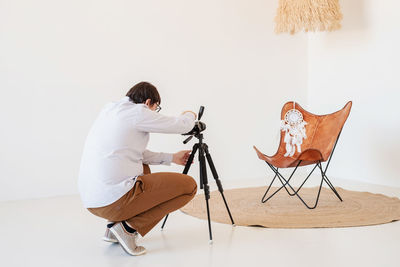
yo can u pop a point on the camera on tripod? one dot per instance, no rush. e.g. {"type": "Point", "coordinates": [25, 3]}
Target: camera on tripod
{"type": "Point", "coordinates": [198, 127]}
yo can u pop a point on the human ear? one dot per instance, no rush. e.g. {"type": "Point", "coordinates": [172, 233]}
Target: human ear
{"type": "Point", "coordinates": [148, 102]}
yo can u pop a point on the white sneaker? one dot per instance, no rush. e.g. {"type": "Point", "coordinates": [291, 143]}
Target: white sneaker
{"type": "Point", "coordinates": [127, 240]}
{"type": "Point", "coordinates": [109, 236]}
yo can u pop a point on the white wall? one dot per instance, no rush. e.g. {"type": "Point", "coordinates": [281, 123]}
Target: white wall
{"type": "Point", "coordinates": [61, 61]}
{"type": "Point", "coordinates": [361, 63]}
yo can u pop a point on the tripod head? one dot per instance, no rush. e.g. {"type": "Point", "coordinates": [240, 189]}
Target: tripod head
{"type": "Point", "coordinates": [197, 129]}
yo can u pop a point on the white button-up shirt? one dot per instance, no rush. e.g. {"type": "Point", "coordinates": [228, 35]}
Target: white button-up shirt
{"type": "Point", "coordinates": [115, 149]}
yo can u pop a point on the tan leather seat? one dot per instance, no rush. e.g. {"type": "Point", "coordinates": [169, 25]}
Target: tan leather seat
{"type": "Point", "coordinates": [322, 132]}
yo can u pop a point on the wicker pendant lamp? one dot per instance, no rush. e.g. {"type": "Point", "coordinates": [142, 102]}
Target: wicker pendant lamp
{"type": "Point", "coordinates": [308, 15]}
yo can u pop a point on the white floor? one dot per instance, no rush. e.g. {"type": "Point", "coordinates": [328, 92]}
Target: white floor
{"type": "Point", "coordinates": [59, 232]}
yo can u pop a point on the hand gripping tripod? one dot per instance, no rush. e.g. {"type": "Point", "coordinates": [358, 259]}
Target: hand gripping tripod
{"type": "Point", "coordinates": [203, 155]}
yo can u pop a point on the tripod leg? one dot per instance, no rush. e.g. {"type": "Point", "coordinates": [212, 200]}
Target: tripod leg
{"type": "Point", "coordinates": [204, 185]}
{"type": "Point", "coordinates": [208, 217]}
{"type": "Point", "coordinates": [218, 181]}
{"type": "Point", "coordinates": [190, 160]}
{"type": "Point", "coordinates": [203, 170]}
{"type": "Point", "coordinates": [185, 171]}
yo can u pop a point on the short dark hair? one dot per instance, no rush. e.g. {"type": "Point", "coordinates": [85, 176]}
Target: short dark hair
{"type": "Point", "coordinates": [142, 91]}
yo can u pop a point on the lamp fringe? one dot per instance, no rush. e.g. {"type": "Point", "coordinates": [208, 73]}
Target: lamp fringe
{"type": "Point", "coordinates": [308, 15]}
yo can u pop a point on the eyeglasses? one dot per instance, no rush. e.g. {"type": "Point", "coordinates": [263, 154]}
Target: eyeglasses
{"type": "Point", "coordinates": [158, 108]}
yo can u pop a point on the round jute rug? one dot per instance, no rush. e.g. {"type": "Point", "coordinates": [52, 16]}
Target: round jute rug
{"type": "Point", "coordinates": [284, 211]}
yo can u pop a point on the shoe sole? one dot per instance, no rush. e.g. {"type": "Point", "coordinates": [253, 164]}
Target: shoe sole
{"type": "Point", "coordinates": [111, 240]}
{"type": "Point", "coordinates": [123, 245]}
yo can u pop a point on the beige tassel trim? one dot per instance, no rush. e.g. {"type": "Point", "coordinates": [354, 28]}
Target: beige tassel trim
{"type": "Point", "coordinates": [308, 15]}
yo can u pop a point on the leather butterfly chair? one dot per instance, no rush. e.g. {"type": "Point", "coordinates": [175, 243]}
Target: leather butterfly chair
{"type": "Point", "coordinates": [323, 133]}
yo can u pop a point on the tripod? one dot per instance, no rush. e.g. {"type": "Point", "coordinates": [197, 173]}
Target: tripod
{"type": "Point", "coordinates": [203, 155]}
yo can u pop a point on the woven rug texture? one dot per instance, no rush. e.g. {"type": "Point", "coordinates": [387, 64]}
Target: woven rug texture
{"type": "Point", "coordinates": [284, 211]}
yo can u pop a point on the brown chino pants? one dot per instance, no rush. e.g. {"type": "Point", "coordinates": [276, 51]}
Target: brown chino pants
{"type": "Point", "coordinates": [152, 197]}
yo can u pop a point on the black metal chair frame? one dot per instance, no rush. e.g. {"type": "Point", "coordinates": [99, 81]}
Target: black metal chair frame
{"type": "Point", "coordinates": [285, 182]}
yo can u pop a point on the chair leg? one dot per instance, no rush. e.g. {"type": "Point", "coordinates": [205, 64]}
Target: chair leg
{"type": "Point", "coordinates": [333, 188]}
{"type": "Point", "coordinates": [269, 187]}
{"type": "Point", "coordinates": [284, 186]}
{"type": "Point", "coordinates": [286, 182]}
{"type": "Point", "coordinates": [277, 170]}
{"type": "Point", "coordinates": [320, 186]}
{"type": "Point", "coordinates": [277, 174]}
{"type": "Point", "coordinates": [329, 183]}
{"type": "Point", "coordinates": [298, 189]}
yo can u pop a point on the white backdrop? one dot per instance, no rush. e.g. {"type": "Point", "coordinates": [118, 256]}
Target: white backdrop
{"type": "Point", "coordinates": [361, 63]}
{"type": "Point", "coordinates": [61, 61]}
